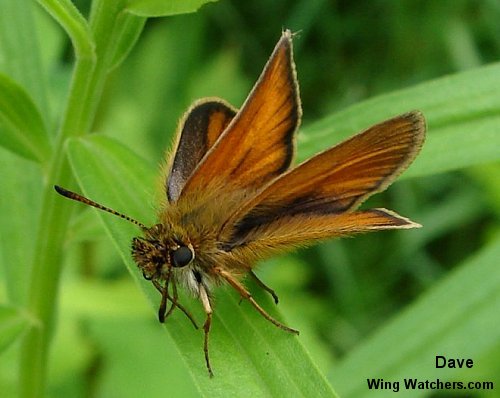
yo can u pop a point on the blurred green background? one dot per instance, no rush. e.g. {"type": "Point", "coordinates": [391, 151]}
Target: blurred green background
{"type": "Point", "coordinates": [347, 297]}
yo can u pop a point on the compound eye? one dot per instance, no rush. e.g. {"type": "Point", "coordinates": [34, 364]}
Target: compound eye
{"type": "Point", "coordinates": [182, 256]}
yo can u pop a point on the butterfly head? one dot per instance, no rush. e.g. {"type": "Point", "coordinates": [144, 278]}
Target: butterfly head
{"type": "Point", "coordinates": [157, 253]}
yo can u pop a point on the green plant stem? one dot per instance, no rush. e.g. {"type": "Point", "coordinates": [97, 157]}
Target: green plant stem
{"type": "Point", "coordinates": [85, 90]}
{"type": "Point", "coordinates": [68, 16]}
{"type": "Point", "coordinates": [46, 268]}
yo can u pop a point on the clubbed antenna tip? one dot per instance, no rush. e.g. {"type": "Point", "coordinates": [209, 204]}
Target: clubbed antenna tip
{"type": "Point", "coordinates": [79, 198]}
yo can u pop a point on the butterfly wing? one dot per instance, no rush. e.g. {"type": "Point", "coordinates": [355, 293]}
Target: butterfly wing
{"type": "Point", "coordinates": [303, 229]}
{"type": "Point", "coordinates": [318, 197]}
{"type": "Point", "coordinates": [258, 144]}
{"type": "Point", "coordinates": [200, 128]}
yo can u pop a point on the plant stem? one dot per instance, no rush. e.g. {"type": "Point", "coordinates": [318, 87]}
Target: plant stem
{"type": "Point", "coordinates": [46, 268]}
{"type": "Point", "coordinates": [85, 90]}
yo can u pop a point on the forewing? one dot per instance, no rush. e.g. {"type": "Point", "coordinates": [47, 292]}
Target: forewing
{"type": "Point", "coordinates": [258, 144]}
{"type": "Point", "coordinates": [200, 128]}
{"type": "Point", "coordinates": [335, 181]}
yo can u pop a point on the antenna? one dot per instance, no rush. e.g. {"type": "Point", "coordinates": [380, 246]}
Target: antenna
{"type": "Point", "coordinates": [82, 199]}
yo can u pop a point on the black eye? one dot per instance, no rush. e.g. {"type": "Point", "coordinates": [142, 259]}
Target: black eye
{"type": "Point", "coordinates": [182, 256]}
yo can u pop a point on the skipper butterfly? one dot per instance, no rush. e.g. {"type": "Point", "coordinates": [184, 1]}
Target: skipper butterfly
{"type": "Point", "coordinates": [231, 198]}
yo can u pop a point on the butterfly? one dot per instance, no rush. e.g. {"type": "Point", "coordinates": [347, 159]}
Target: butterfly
{"type": "Point", "coordinates": [232, 199]}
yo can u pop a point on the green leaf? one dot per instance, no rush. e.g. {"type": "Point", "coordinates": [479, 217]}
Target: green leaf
{"type": "Point", "coordinates": [75, 25]}
{"type": "Point", "coordinates": [130, 29]}
{"type": "Point", "coordinates": [462, 112]}
{"type": "Point", "coordinates": [12, 325]}
{"type": "Point", "coordinates": [250, 356]}
{"type": "Point", "coordinates": [20, 50]}
{"type": "Point", "coordinates": [163, 8]}
{"type": "Point", "coordinates": [457, 318]}
{"type": "Point", "coordinates": [20, 208]}
{"type": "Point", "coordinates": [21, 126]}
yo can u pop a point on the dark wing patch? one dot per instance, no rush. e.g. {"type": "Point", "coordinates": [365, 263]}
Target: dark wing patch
{"type": "Point", "coordinates": [200, 129]}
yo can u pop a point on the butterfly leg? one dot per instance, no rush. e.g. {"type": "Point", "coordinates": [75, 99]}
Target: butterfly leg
{"type": "Point", "coordinates": [164, 299]}
{"type": "Point", "coordinates": [246, 295]}
{"type": "Point", "coordinates": [264, 286]}
{"type": "Point", "coordinates": [173, 300]}
{"type": "Point", "coordinates": [163, 305]}
{"type": "Point", "coordinates": [177, 304]}
{"type": "Point", "coordinates": [205, 300]}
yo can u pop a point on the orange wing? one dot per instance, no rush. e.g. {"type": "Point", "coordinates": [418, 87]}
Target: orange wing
{"type": "Point", "coordinates": [258, 144]}
{"type": "Point", "coordinates": [303, 229]}
{"type": "Point", "coordinates": [200, 128]}
{"type": "Point", "coordinates": [334, 182]}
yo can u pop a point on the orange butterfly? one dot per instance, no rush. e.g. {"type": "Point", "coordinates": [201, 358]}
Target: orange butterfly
{"type": "Point", "coordinates": [232, 199]}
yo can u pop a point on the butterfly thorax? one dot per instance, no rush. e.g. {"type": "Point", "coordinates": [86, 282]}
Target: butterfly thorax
{"type": "Point", "coordinates": [197, 229]}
